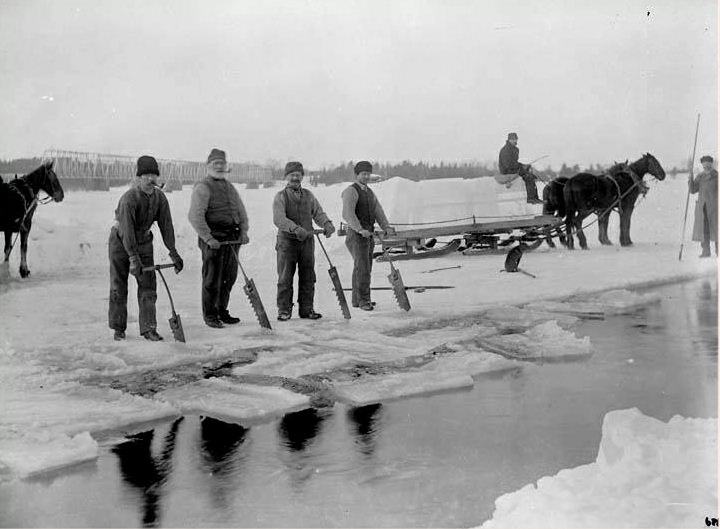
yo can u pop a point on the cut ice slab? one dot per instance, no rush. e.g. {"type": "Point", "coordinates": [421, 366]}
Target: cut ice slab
{"type": "Point", "coordinates": [33, 454]}
{"type": "Point", "coordinates": [234, 402]}
{"type": "Point", "coordinates": [379, 388]}
{"type": "Point", "coordinates": [609, 303]}
{"type": "Point", "coordinates": [543, 342]}
{"type": "Point", "coordinates": [520, 319]}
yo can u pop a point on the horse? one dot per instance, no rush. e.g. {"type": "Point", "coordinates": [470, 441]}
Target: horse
{"type": "Point", "coordinates": [18, 202]}
{"type": "Point", "coordinates": [586, 193]}
{"type": "Point", "coordinates": [554, 204]}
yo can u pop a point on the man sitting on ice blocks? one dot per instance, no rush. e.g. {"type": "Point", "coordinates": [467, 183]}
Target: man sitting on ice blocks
{"type": "Point", "coordinates": [510, 168]}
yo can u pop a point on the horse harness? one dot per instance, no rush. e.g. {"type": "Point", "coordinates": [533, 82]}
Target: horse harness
{"type": "Point", "coordinates": [28, 209]}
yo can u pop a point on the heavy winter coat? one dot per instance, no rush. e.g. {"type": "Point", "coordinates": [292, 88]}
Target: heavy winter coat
{"type": "Point", "coordinates": [706, 186]}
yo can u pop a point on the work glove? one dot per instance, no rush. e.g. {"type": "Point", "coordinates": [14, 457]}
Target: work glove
{"type": "Point", "coordinates": [329, 229]}
{"type": "Point", "coordinates": [301, 233]}
{"type": "Point", "coordinates": [214, 244]}
{"type": "Point", "coordinates": [244, 239]}
{"type": "Point", "coordinates": [177, 261]}
{"type": "Point", "coordinates": [136, 266]}
{"type": "Point", "coordinates": [389, 232]}
{"type": "Point", "coordinates": [366, 233]}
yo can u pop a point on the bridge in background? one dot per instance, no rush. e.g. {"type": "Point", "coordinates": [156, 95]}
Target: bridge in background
{"type": "Point", "coordinates": [96, 171]}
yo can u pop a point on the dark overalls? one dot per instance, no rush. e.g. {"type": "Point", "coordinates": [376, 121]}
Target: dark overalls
{"type": "Point", "coordinates": [293, 253]}
{"type": "Point", "coordinates": [361, 248]}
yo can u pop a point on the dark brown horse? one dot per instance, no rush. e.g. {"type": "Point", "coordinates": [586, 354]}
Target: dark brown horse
{"type": "Point", "coordinates": [619, 188]}
{"type": "Point", "coordinates": [554, 204]}
{"type": "Point", "coordinates": [18, 201]}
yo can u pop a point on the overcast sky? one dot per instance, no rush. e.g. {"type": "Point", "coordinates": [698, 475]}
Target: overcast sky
{"type": "Point", "coordinates": [336, 80]}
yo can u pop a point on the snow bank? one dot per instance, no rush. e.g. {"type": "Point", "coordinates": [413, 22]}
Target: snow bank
{"type": "Point", "coordinates": [647, 474]}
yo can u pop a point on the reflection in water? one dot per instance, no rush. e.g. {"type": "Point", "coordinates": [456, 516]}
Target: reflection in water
{"type": "Point", "coordinates": [147, 473]}
{"type": "Point", "coordinates": [365, 421]}
{"type": "Point", "coordinates": [219, 442]}
{"type": "Point", "coordinates": [297, 431]}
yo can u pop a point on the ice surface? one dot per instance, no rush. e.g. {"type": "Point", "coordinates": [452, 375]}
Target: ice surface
{"type": "Point", "coordinates": [36, 453]}
{"type": "Point", "coordinates": [380, 388]}
{"type": "Point", "coordinates": [234, 402]}
{"type": "Point", "coordinates": [647, 474]}
{"type": "Point", "coordinates": [54, 336]}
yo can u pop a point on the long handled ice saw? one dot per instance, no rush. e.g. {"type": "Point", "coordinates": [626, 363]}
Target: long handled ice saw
{"type": "Point", "coordinates": [397, 283]}
{"type": "Point", "coordinates": [175, 321]}
{"type": "Point", "coordinates": [335, 278]}
{"type": "Point", "coordinates": [251, 292]}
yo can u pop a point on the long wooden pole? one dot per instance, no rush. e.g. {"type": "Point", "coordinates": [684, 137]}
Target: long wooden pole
{"type": "Point", "coordinates": [687, 199]}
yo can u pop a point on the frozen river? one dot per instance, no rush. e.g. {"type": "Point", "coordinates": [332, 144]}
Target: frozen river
{"type": "Point", "coordinates": [437, 461]}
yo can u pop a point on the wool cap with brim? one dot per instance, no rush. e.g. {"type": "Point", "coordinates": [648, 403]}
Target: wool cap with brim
{"type": "Point", "coordinates": [215, 155]}
{"type": "Point", "coordinates": [363, 167]}
{"type": "Point", "coordinates": [292, 167]}
{"type": "Point", "coordinates": [513, 136]}
{"type": "Point", "coordinates": [706, 158]}
{"type": "Point", "coordinates": [147, 165]}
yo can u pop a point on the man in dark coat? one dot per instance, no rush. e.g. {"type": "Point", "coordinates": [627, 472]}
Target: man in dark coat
{"type": "Point", "coordinates": [705, 184]}
{"type": "Point", "coordinates": [361, 209]}
{"type": "Point", "coordinates": [294, 210]}
{"type": "Point", "coordinates": [130, 249]}
{"type": "Point", "coordinates": [509, 165]}
{"type": "Point", "coordinates": [218, 214]}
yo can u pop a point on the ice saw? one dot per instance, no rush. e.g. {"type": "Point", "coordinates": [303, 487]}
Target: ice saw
{"type": "Point", "coordinates": [250, 290]}
{"type": "Point", "coordinates": [335, 278]}
{"type": "Point", "coordinates": [175, 321]}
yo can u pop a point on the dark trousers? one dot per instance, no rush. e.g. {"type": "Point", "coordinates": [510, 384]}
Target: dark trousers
{"type": "Point", "coordinates": [529, 178]}
{"type": "Point", "coordinates": [705, 244]}
{"type": "Point", "coordinates": [361, 248]}
{"type": "Point", "coordinates": [219, 273]}
{"type": "Point", "coordinates": [146, 285]}
{"type": "Point", "coordinates": [292, 254]}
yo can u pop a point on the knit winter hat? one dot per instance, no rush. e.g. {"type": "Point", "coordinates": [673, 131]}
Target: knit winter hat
{"type": "Point", "coordinates": [291, 167]}
{"type": "Point", "coordinates": [363, 167]}
{"type": "Point", "coordinates": [216, 154]}
{"type": "Point", "coordinates": [512, 136]}
{"type": "Point", "coordinates": [706, 158]}
{"type": "Point", "coordinates": [147, 165]}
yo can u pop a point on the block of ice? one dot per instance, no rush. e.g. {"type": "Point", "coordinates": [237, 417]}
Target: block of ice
{"type": "Point", "coordinates": [37, 453]}
{"type": "Point", "coordinates": [520, 319]}
{"type": "Point", "coordinates": [546, 341]}
{"type": "Point", "coordinates": [380, 388]}
{"type": "Point", "coordinates": [234, 402]}
{"type": "Point", "coordinates": [647, 474]}
{"type": "Point", "coordinates": [608, 303]}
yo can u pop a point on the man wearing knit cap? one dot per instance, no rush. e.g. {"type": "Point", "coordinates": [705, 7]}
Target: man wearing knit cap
{"type": "Point", "coordinates": [705, 184]}
{"type": "Point", "coordinates": [509, 165]}
{"type": "Point", "coordinates": [130, 249]}
{"type": "Point", "coordinates": [361, 209]}
{"type": "Point", "coordinates": [218, 214]}
{"type": "Point", "coordinates": [294, 210]}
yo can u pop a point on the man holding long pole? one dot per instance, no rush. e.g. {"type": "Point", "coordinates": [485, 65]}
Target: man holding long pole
{"type": "Point", "coordinates": [705, 184]}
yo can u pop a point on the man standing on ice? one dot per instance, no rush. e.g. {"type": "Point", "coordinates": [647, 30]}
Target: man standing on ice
{"type": "Point", "coordinates": [508, 164]}
{"type": "Point", "coordinates": [218, 214]}
{"type": "Point", "coordinates": [294, 210]}
{"type": "Point", "coordinates": [361, 209]}
{"type": "Point", "coordinates": [705, 185]}
{"type": "Point", "coordinates": [130, 248]}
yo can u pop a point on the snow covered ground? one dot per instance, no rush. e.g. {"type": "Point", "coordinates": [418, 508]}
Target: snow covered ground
{"type": "Point", "coordinates": [54, 339]}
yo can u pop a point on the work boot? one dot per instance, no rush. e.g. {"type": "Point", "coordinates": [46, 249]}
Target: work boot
{"type": "Point", "coordinates": [357, 305]}
{"type": "Point", "coordinates": [532, 194]}
{"type": "Point", "coordinates": [230, 320]}
{"type": "Point", "coordinates": [310, 315]}
{"type": "Point", "coordinates": [152, 335]}
{"type": "Point", "coordinates": [215, 323]}
{"type": "Point", "coordinates": [368, 306]}
{"type": "Point", "coordinates": [119, 335]}
{"type": "Point", "coordinates": [284, 315]}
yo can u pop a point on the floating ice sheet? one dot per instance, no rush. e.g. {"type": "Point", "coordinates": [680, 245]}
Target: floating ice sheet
{"type": "Point", "coordinates": [546, 341]}
{"type": "Point", "coordinates": [379, 388]}
{"type": "Point", "coordinates": [234, 402]}
{"type": "Point", "coordinates": [609, 303]}
{"type": "Point", "coordinates": [37, 453]}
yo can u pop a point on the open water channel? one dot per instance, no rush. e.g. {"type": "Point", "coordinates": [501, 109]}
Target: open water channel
{"type": "Point", "coordinates": [437, 461]}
